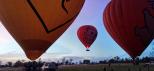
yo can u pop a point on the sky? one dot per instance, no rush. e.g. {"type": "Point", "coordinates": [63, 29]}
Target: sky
{"type": "Point", "coordinates": [68, 45]}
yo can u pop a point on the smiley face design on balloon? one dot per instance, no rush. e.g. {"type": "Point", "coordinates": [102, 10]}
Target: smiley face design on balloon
{"type": "Point", "coordinates": [60, 13]}
{"type": "Point", "coordinates": [37, 24]}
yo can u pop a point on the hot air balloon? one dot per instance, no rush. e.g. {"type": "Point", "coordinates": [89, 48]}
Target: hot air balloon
{"type": "Point", "coordinates": [87, 35]}
{"type": "Point", "coordinates": [131, 24]}
{"type": "Point", "coordinates": [37, 24]}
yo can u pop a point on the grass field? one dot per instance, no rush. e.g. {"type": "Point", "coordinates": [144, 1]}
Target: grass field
{"type": "Point", "coordinates": [113, 67]}
{"type": "Point", "coordinates": [98, 67]}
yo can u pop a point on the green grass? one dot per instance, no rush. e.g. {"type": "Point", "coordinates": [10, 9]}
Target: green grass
{"type": "Point", "coordinates": [98, 67]}
{"type": "Point", "coordinates": [114, 67]}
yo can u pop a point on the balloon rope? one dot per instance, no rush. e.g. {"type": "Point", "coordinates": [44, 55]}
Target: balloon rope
{"type": "Point", "coordinates": [87, 49]}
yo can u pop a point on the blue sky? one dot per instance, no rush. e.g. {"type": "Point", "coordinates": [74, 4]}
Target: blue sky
{"type": "Point", "coordinates": [68, 44]}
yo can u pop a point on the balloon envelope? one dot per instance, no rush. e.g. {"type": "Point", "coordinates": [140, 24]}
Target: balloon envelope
{"type": "Point", "coordinates": [36, 24]}
{"type": "Point", "coordinates": [87, 35]}
{"type": "Point", "coordinates": [130, 23]}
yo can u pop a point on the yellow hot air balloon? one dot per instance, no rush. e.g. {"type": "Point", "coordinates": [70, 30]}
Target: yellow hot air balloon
{"type": "Point", "coordinates": [37, 24]}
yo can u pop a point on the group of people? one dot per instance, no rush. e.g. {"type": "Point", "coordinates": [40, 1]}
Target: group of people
{"type": "Point", "coordinates": [40, 66]}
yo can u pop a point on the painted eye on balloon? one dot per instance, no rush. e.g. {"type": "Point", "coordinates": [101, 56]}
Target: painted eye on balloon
{"type": "Point", "coordinates": [63, 5]}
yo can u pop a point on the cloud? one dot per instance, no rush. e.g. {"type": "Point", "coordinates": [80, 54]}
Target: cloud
{"type": "Point", "coordinates": [12, 56]}
{"type": "Point", "coordinates": [54, 55]}
{"type": "Point", "coordinates": [4, 35]}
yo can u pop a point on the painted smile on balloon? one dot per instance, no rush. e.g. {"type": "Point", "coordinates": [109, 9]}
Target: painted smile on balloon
{"type": "Point", "coordinates": [42, 21]}
{"type": "Point", "coordinates": [146, 33]}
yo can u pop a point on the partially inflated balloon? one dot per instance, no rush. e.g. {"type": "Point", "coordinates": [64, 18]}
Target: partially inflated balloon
{"type": "Point", "coordinates": [131, 24]}
{"type": "Point", "coordinates": [36, 24]}
{"type": "Point", "coordinates": [87, 35]}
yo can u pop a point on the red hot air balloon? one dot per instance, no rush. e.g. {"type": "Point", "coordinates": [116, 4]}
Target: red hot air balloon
{"type": "Point", "coordinates": [37, 24]}
{"type": "Point", "coordinates": [131, 24]}
{"type": "Point", "coordinates": [87, 35]}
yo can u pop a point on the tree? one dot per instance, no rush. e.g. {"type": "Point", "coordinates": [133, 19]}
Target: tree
{"type": "Point", "coordinates": [70, 61]}
{"type": "Point", "coordinates": [9, 64]}
{"type": "Point", "coordinates": [0, 63]}
{"type": "Point", "coordinates": [63, 60]}
{"type": "Point", "coordinates": [18, 64]}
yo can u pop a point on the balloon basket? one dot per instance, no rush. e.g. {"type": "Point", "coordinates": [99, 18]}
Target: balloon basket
{"type": "Point", "coordinates": [87, 50]}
